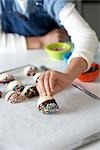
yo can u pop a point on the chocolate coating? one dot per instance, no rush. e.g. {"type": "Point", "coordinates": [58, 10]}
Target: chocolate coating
{"type": "Point", "coordinates": [31, 92]}
{"type": "Point", "coordinates": [0, 94]}
{"type": "Point", "coordinates": [48, 107]}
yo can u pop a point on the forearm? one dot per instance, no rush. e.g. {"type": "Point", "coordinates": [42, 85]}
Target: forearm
{"type": "Point", "coordinates": [34, 42]}
{"type": "Point", "coordinates": [76, 66]}
{"type": "Point", "coordinates": [84, 38]}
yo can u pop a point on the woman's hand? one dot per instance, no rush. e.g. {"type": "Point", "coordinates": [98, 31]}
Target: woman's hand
{"type": "Point", "coordinates": [52, 82]}
{"type": "Point", "coordinates": [34, 42]}
{"type": "Point", "coordinates": [56, 35]}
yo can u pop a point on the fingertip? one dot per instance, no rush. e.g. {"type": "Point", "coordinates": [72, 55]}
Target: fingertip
{"type": "Point", "coordinates": [50, 94]}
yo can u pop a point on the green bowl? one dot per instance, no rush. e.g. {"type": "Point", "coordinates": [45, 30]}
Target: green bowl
{"type": "Point", "coordinates": [57, 50]}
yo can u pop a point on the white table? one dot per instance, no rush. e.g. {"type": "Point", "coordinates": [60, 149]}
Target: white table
{"type": "Point", "coordinates": [22, 127]}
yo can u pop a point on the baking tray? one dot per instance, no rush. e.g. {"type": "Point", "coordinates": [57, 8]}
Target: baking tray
{"type": "Point", "coordinates": [18, 73]}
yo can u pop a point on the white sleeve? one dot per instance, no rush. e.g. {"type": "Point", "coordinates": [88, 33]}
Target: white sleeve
{"type": "Point", "coordinates": [11, 42]}
{"type": "Point", "coordinates": [84, 38]}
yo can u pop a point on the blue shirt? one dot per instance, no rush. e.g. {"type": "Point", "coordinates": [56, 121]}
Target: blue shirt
{"type": "Point", "coordinates": [53, 7]}
{"type": "Point", "coordinates": [40, 16]}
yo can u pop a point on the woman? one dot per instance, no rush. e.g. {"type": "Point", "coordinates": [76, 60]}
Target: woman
{"type": "Point", "coordinates": [35, 23]}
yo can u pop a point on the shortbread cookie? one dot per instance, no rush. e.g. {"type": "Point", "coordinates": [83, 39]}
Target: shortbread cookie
{"type": "Point", "coordinates": [30, 70]}
{"type": "Point", "coordinates": [16, 86]}
{"type": "Point", "coordinates": [47, 105]}
{"type": "Point", "coordinates": [30, 91]}
{"type": "Point", "coordinates": [14, 97]}
{"type": "Point", "coordinates": [6, 78]}
{"type": "Point", "coordinates": [36, 77]}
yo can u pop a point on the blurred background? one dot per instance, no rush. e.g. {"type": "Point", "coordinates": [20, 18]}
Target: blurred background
{"type": "Point", "coordinates": [90, 10]}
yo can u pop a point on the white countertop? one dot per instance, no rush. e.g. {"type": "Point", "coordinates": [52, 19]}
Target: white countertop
{"type": "Point", "coordinates": [22, 127]}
